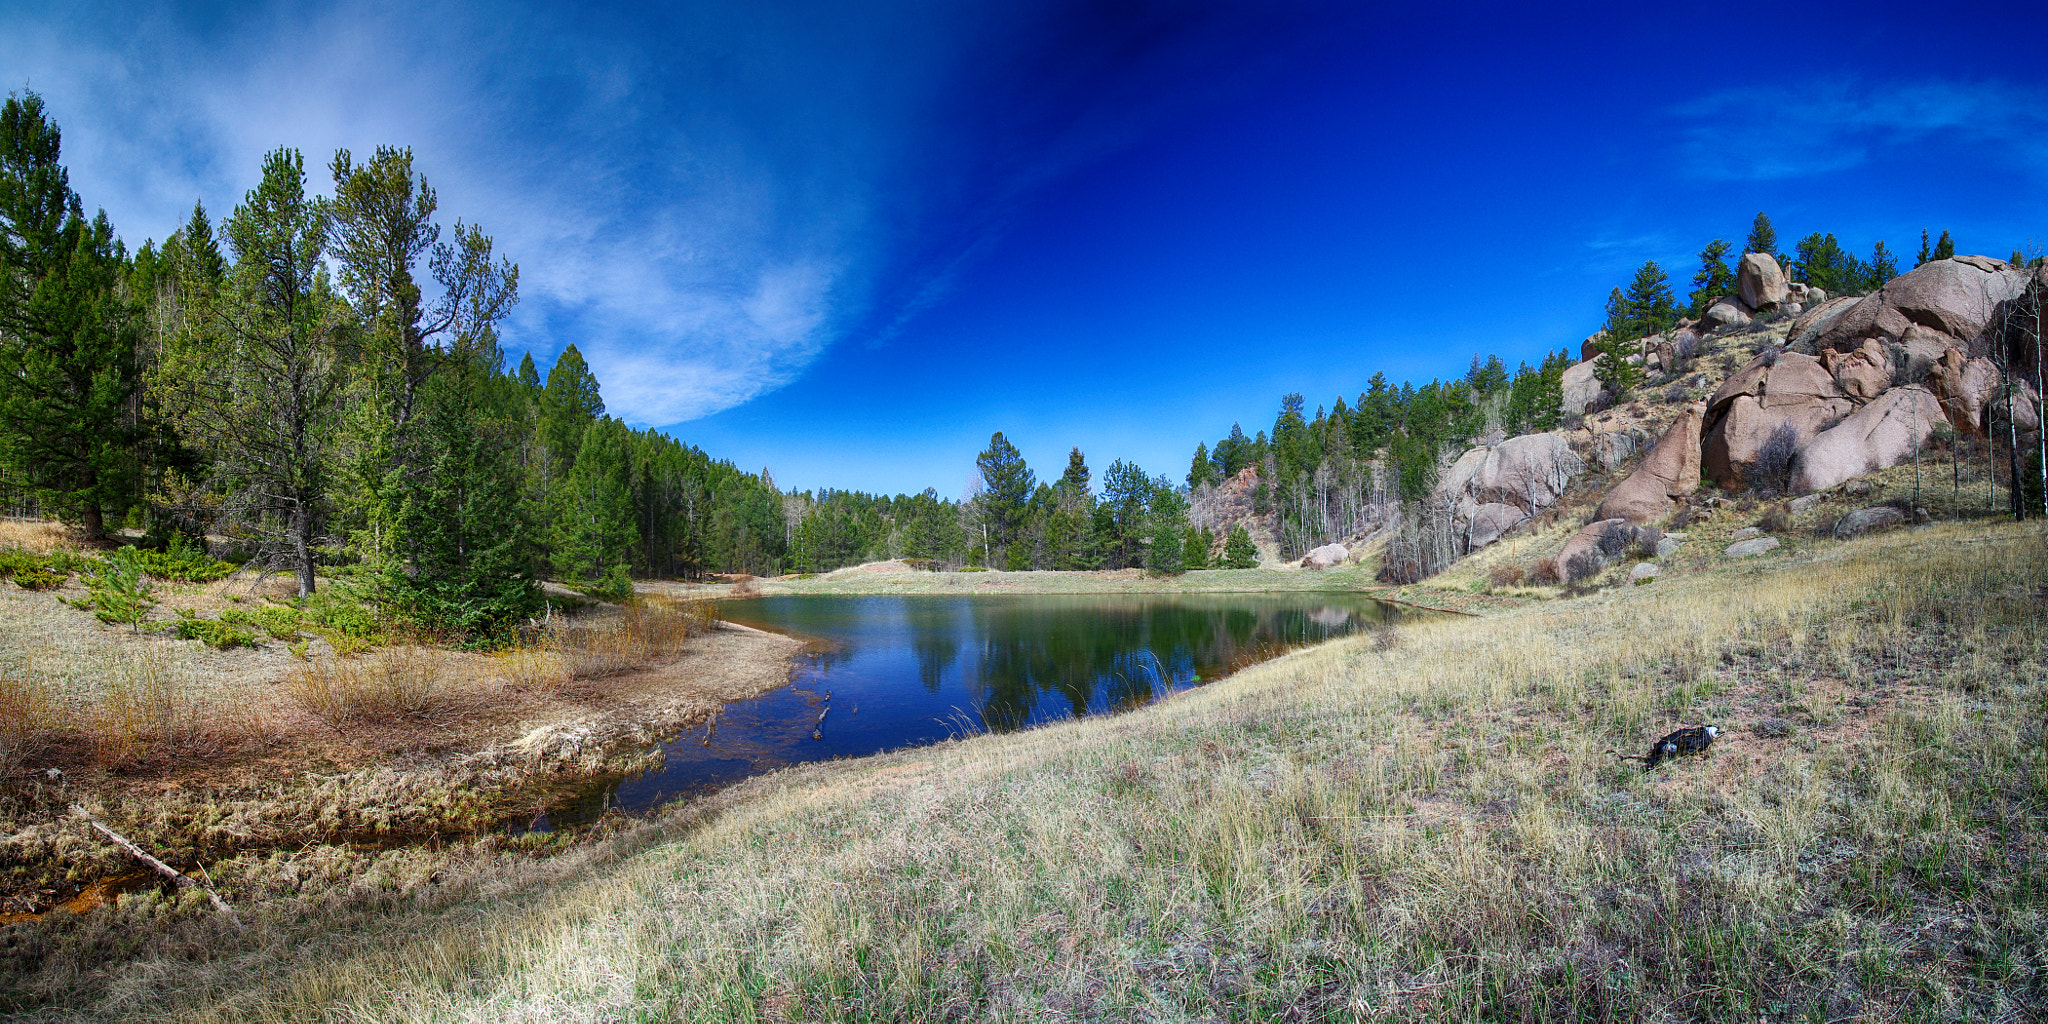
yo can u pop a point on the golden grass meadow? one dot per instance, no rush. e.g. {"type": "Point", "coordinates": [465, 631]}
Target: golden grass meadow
{"type": "Point", "coordinates": [1425, 825]}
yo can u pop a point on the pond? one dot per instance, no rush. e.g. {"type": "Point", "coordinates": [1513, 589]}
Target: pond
{"type": "Point", "coordinates": [885, 672]}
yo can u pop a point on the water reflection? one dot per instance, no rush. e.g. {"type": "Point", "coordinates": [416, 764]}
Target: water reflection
{"type": "Point", "coordinates": [889, 672]}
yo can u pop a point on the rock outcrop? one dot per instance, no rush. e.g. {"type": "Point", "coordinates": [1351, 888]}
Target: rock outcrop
{"type": "Point", "coordinates": [1760, 281]}
{"type": "Point", "coordinates": [1726, 312]}
{"type": "Point", "coordinates": [1869, 520]}
{"type": "Point", "coordinates": [1751, 547]}
{"type": "Point", "coordinates": [1581, 388]}
{"type": "Point", "coordinates": [1492, 521]}
{"type": "Point", "coordinates": [1884, 433]}
{"type": "Point", "coordinates": [1956, 298]}
{"type": "Point", "coordinates": [1669, 473]}
{"type": "Point", "coordinates": [1495, 488]}
{"type": "Point", "coordinates": [1964, 386]}
{"type": "Point", "coordinates": [1329, 556]}
{"type": "Point", "coordinates": [1777, 389]}
{"type": "Point", "coordinates": [1864, 373]}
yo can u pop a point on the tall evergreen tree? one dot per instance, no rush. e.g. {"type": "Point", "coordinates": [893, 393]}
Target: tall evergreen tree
{"type": "Point", "coordinates": [593, 522]}
{"type": "Point", "coordinates": [1945, 248]}
{"type": "Point", "coordinates": [256, 382]}
{"type": "Point", "coordinates": [1883, 266]}
{"type": "Point", "coordinates": [465, 558]}
{"type": "Point", "coordinates": [1925, 252]}
{"type": "Point", "coordinates": [1651, 309]}
{"type": "Point", "coordinates": [1201, 470]}
{"type": "Point", "coordinates": [1714, 278]}
{"type": "Point", "coordinates": [1762, 237]}
{"type": "Point", "coordinates": [1822, 262]}
{"type": "Point", "coordinates": [1006, 484]}
{"type": "Point", "coordinates": [1238, 552]}
{"type": "Point", "coordinates": [67, 336]}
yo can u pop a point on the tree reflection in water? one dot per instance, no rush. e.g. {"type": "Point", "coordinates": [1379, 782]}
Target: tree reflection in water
{"type": "Point", "coordinates": [1028, 660]}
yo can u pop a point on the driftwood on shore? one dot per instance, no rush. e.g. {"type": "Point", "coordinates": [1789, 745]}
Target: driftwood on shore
{"type": "Point", "coordinates": [156, 865]}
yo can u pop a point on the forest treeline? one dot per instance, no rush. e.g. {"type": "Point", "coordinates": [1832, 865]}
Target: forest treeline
{"type": "Point", "coordinates": [319, 380]}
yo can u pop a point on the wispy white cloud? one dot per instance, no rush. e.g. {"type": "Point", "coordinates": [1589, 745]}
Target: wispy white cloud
{"type": "Point", "coordinates": [1765, 133]}
{"type": "Point", "coordinates": [702, 197]}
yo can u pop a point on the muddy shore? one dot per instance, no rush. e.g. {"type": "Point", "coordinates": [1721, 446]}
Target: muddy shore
{"type": "Point", "coordinates": [267, 800]}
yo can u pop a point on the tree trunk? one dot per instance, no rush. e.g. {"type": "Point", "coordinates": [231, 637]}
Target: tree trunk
{"type": "Point", "coordinates": [95, 522]}
{"type": "Point", "coordinates": [302, 546]}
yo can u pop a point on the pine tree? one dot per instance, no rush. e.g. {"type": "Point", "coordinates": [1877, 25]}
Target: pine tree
{"type": "Point", "coordinates": [1945, 248]}
{"type": "Point", "coordinates": [257, 378]}
{"type": "Point", "coordinates": [593, 521]}
{"type": "Point", "coordinates": [1126, 496]}
{"type": "Point", "coordinates": [1882, 268]}
{"type": "Point", "coordinates": [1201, 470]}
{"type": "Point", "coordinates": [1713, 280]}
{"type": "Point", "coordinates": [1006, 484]}
{"type": "Point", "coordinates": [1166, 552]}
{"type": "Point", "coordinates": [1762, 237]}
{"type": "Point", "coordinates": [1925, 253]}
{"type": "Point", "coordinates": [465, 555]}
{"type": "Point", "coordinates": [1238, 552]}
{"type": "Point", "coordinates": [1196, 550]}
{"type": "Point", "coordinates": [1822, 262]}
{"type": "Point", "coordinates": [529, 376]}
{"type": "Point", "coordinates": [67, 336]}
{"type": "Point", "coordinates": [1649, 305]}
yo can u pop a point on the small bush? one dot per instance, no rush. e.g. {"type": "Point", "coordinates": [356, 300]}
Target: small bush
{"type": "Point", "coordinates": [277, 621]}
{"type": "Point", "coordinates": [1543, 572]}
{"type": "Point", "coordinates": [1583, 566]}
{"type": "Point", "coordinates": [1776, 519]}
{"type": "Point", "coordinates": [219, 634]}
{"type": "Point", "coordinates": [24, 717]}
{"type": "Point", "coordinates": [118, 593]}
{"type": "Point", "coordinates": [345, 624]}
{"type": "Point", "coordinates": [38, 579]}
{"type": "Point", "coordinates": [180, 561]}
{"type": "Point", "coordinates": [1769, 356]}
{"type": "Point", "coordinates": [1506, 574]}
{"type": "Point", "coordinates": [1773, 467]}
{"type": "Point", "coordinates": [403, 681]}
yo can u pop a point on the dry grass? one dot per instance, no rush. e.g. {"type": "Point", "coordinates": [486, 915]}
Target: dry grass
{"type": "Point", "coordinates": [1424, 831]}
{"type": "Point", "coordinates": [40, 536]}
{"type": "Point", "coordinates": [641, 633]}
{"type": "Point", "coordinates": [395, 681]}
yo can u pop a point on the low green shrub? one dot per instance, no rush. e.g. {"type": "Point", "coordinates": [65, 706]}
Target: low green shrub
{"type": "Point", "coordinates": [180, 561]}
{"type": "Point", "coordinates": [117, 590]}
{"type": "Point", "coordinates": [278, 621]}
{"type": "Point", "coordinates": [221, 633]}
{"type": "Point", "coordinates": [343, 621]}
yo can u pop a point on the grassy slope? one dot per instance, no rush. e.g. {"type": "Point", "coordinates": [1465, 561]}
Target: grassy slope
{"type": "Point", "coordinates": [1428, 831]}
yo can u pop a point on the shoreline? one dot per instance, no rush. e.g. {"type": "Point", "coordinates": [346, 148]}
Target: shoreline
{"type": "Point", "coordinates": [425, 793]}
{"type": "Point", "coordinates": [865, 580]}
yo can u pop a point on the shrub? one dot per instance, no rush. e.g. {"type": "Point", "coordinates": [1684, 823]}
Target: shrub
{"type": "Point", "coordinates": [180, 561]}
{"type": "Point", "coordinates": [1506, 574]}
{"type": "Point", "coordinates": [1773, 467]}
{"type": "Point", "coordinates": [278, 621]}
{"type": "Point", "coordinates": [220, 634]}
{"type": "Point", "coordinates": [403, 680]}
{"type": "Point", "coordinates": [117, 592]}
{"type": "Point", "coordinates": [1543, 572]}
{"type": "Point", "coordinates": [24, 716]}
{"type": "Point", "coordinates": [1583, 566]}
{"type": "Point", "coordinates": [1776, 519]}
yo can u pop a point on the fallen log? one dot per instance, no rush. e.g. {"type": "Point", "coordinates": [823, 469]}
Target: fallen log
{"type": "Point", "coordinates": [161, 868]}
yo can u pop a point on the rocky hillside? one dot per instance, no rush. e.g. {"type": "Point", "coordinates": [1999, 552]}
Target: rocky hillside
{"type": "Point", "coordinates": [1780, 390]}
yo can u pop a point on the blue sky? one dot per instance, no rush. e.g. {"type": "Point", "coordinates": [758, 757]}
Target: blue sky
{"type": "Point", "coordinates": [846, 241]}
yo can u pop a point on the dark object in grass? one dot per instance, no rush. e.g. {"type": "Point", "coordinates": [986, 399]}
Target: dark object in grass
{"type": "Point", "coordinates": [1685, 741]}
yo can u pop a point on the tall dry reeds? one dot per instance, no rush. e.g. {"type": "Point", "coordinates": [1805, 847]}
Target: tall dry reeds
{"type": "Point", "coordinates": [24, 716]}
{"type": "Point", "coordinates": [641, 634]}
{"type": "Point", "coordinates": [395, 681]}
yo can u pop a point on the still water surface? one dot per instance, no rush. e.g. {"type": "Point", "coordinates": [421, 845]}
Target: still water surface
{"type": "Point", "coordinates": [887, 672]}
